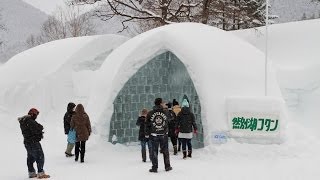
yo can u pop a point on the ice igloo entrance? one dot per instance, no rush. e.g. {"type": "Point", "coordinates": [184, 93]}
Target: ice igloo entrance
{"type": "Point", "coordinates": [164, 76]}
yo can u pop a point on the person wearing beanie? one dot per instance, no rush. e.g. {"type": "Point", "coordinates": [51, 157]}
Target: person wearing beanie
{"type": "Point", "coordinates": [157, 130]}
{"type": "Point", "coordinates": [185, 125]}
{"type": "Point", "coordinates": [32, 133]}
{"type": "Point", "coordinates": [66, 122]}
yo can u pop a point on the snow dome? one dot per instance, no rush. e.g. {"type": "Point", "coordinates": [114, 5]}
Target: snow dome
{"type": "Point", "coordinates": [52, 74]}
{"type": "Point", "coordinates": [200, 62]}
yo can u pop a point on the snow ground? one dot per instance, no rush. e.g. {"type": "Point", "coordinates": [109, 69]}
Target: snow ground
{"type": "Point", "coordinates": [296, 159]}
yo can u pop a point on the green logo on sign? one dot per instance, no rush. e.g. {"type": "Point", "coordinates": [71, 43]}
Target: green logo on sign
{"type": "Point", "coordinates": [254, 124]}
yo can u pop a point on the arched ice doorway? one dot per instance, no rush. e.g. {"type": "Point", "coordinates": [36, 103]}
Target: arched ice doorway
{"type": "Point", "coordinates": [164, 76]}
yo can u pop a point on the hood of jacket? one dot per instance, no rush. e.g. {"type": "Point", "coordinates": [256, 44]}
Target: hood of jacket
{"type": "Point", "coordinates": [185, 110]}
{"type": "Point", "coordinates": [157, 107]}
{"type": "Point", "coordinates": [70, 107]}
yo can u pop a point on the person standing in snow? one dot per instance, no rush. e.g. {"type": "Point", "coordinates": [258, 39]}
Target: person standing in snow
{"type": "Point", "coordinates": [66, 123]}
{"type": "Point", "coordinates": [186, 123]}
{"type": "Point", "coordinates": [144, 140]}
{"type": "Point", "coordinates": [176, 109]}
{"type": "Point", "coordinates": [80, 122]}
{"type": "Point", "coordinates": [32, 133]}
{"type": "Point", "coordinates": [172, 126]}
{"type": "Point", "coordinates": [157, 130]}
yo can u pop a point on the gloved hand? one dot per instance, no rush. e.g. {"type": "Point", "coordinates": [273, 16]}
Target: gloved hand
{"type": "Point", "coordinates": [195, 131]}
{"type": "Point", "coordinates": [146, 136]}
{"type": "Point", "coordinates": [176, 131]}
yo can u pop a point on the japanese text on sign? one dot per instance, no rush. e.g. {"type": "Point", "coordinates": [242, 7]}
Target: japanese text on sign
{"type": "Point", "coordinates": [254, 124]}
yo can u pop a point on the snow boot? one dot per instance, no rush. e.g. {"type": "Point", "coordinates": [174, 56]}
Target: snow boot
{"type": "Point", "coordinates": [82, 153]}
{"type": "Point", "coordinates": [32, 175]}
{"type": "Point", "coordinates": [153, 170]}
{"type": "Point", "coordinates": [184, 154]}
{"type": "Point", "coordinates": [69, 155]}
{"type": "Point", "coordinates": [175, 152]}
{"type": "Point", "coordinates": [189, 153]}
{"type": "Point", "coordinates": [144, 156]}
{"type": "Point", "coordinates": [168, 168]}
{"type": "Point", "coordinates": [43, 175]}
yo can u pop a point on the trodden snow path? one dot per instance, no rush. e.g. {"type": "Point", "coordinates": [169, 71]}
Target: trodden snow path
{"type": "Point", "coordinates": [298, 158]}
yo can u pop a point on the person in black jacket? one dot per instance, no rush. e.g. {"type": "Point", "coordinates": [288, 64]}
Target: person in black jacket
{"type": "Point", "coordinates": [32, 134]}
{"type": "Point", "coordinates": [172, 126]}
{"type": "Point", "coordinates": [66, 122]}
{"type": "Point", "coordinates": [186, 123]}
{"type": "Point", "coordinates": [157, 130]}
{"type": "Point", "coordinates": [141, 121]}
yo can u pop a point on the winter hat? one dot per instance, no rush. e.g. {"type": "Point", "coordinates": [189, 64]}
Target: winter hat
{"type": "Point", "coordinates": [185, 103]}
{"type": "Point", "coordinates": [175, 102]}
{"type": "Point", "coordinates": [158, 101]}
{"type": "Point", "coordinates": [169, 105]}
{"type": "Point", "coordinates": [33, 112]}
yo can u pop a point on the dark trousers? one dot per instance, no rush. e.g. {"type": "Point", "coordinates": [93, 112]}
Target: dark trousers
{"type": "Point", "coordinates": [161, 141]}
{"type": "Point", "coordinates": [80, 147]}
{"type": "Point", "coordinates": [186, 142]}
{"type": "Point", "coordinates": [144, 143]}
{"type": "Point", "coordinates": [34, 154]}
{"type": "Point", "coordinates": [174, 140]}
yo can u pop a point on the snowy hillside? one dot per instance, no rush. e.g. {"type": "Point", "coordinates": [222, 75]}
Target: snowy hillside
{"type": "Point", "coordinates": [46, 6]}
{"type": "Point", "coordinates": [293, 10]}
{"type": "Point", "coordinates": [21, 20]}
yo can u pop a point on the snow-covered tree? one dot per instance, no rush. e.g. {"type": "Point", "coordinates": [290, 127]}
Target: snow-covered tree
{"type": "Point", "coordinates": [235, 14]}
{"type": "Point", "coordinates": [66, 23]}
{"type": "Point", "coordinates": [2, 29]}
{"type": "Point", "coordinates": [225, 14]}
{"type": "Point", "coordinates": [151, 13]}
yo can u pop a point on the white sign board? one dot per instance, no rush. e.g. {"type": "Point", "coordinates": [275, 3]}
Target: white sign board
{"type": "Point", "coordinates": [255, 118]}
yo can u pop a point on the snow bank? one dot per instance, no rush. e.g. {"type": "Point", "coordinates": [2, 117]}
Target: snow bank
{"type": "Point", "coordinates": [294, 50]}
{"type": "Point", "coordinates": [52, 74]}
{"type": "Point", "coordinates": [205, 51]}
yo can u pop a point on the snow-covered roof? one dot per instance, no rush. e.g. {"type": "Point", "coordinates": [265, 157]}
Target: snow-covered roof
{"type": "Point", "coordinates": [294, 52]}
{"type": "Point", "coordinates": [53, 73]}
{"type": "Point", "coordinates": [219, 63]}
